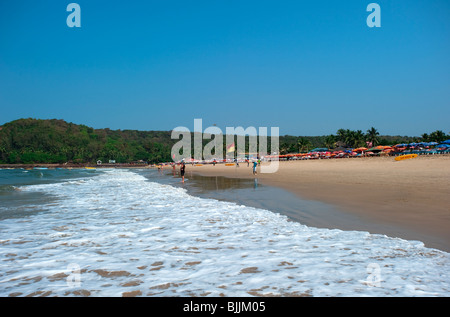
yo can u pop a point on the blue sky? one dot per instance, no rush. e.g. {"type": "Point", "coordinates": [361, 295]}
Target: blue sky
{"type": "Point", "coordinates": [307, 67]}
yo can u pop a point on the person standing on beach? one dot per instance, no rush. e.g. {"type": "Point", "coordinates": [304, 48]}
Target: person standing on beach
{"type": "Point", "coordinates": [254, 167]}
{"type": "Point", "coordinates": [182, 170]}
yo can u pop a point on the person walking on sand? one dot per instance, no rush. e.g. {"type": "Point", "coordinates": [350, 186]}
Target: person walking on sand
{"type": "Point", "coordinates": [254, 167]}
{"type": "Point", "coordinates": [182, 170]}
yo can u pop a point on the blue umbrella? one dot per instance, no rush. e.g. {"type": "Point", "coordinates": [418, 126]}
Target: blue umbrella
{"type": "Point", "coordinates": [446, 142]}
{"type": "Point", "coordinates": [444, 145]}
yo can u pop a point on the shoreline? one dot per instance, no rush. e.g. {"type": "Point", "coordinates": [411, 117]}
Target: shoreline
{"type": "Point", "coordinates": [130, 235]}
{"type": "Point", "coordinates": [306, 212]}
{"type": "Point", "coordinates": [81, 165]}
{"type": "Point", "coordinates": [407, 199]}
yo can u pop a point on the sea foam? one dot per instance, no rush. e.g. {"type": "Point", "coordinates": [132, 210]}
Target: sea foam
{"type": "Point", "coordinates": [120, 234]}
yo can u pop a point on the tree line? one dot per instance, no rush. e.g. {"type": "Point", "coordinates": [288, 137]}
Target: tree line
{"type": "Point", "coordinates": [345, 138]}
{"type": "Point", "coordinates": [30, 141]}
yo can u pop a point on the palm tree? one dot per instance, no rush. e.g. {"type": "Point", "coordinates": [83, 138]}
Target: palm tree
{"type": "Point", "coordinates": [284, 148]}
{"type": "Point", "coordinates": [303, 144]}
{"type": "Point", "coordinates": [357, 138]}
{"type": "Point", "coordinates": [330, 140]}
{"type": "Point", "coordinates": [437, 136]}
{"type": "Point", "coordinates": [342, 135]}
{"type": "Point", "coordinates": [425, 137]}
{"type": "Point", "coordinates": [372, 136]}
{"type": "Point", "coordinates": [350, 138]}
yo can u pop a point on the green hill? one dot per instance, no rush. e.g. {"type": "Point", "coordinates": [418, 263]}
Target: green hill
{"type": "Point", "coordinates": [29, 141]}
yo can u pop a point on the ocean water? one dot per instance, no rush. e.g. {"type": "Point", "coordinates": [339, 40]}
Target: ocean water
{"type": "Point", "coordinates": [119, 233]}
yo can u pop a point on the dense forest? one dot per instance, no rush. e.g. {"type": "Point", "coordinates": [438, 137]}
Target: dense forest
{"type": "Point", "coordinates": [57, 141]}
{"type": "Point", "coordinates": [29, 141]}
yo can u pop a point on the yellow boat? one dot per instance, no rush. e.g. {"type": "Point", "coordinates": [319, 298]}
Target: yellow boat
{"type": "Point", "coordinates": [405, 157]}
{"type": "Point", "coordinates": [90, 168]}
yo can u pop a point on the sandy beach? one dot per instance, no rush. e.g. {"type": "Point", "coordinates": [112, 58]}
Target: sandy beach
{"type": "Point", "coordinates": [410, 195]}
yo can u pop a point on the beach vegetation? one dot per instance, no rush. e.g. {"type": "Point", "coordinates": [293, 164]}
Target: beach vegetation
{"type": "Point", "coordinates": [304, 145]}
{"type": "Point", "coordinates": [351, 138]}
{"type": "Point", "coordinates": [372, 136]}
{"type": "Point", "coordinates": [28, 141]}
{"type": "Point", "coordinates": [330, 141]}
{"type": "Point", "coordinates": [31, 141]}
{"type": "Point", "coordinates": [438, 136]}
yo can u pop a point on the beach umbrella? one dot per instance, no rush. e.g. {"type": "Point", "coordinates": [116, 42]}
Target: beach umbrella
{"type": "Point", "coordinates": [339, 148]}
{"type": "Point", "coordinates": [378, 148]}
{"type": "Point", "coordinates": [446, 142]}
{"type": "Point", "coordinates": [443, 146]}
{"type": "Point", "coordinates": [381, 147]}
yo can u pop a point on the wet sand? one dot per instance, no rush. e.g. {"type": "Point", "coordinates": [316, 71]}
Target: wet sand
{"type": "Point", "coordinates": [407, 199]}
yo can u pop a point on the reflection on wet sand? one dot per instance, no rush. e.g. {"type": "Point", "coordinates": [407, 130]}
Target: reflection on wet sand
{"type": "Point", "coordinates": [249, 192]}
